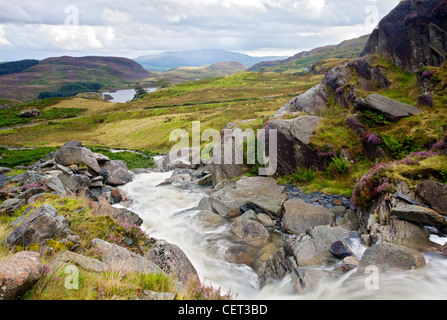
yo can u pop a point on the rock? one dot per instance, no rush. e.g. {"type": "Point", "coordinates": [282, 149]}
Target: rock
{"type": "Point", "coordinates": [120, 177]}
{"type": "Point", "coordinates": [389, 257]}
{"type": "Point", "coordinates": [116, 257]}
{"type": "Point", "coordinates": [419, 215]}
{"type": "Point", "coordinates": [18, 273]}
{"type": "Point", "coordinates": [55, 184]}
{"type": "Point", "coordinates": [300, 216]}
{"type": "Point", "coordinates": [11, 205]}
{"type": "Point", "coordinates": [413, 35]}
{"type": "Point", "coordinates": [340, 250]}
{"type": "Point", "coordinates": [67, 257]}
{"type": "Point", "coordinates": [306, 250]}
{"type": "Point", "coordinates": [172, 260]}
{"type": "Point", "coordinates": [369, 73]}
{"type": "Point", "coordinates": [393, 110]}
{"type": "Point", "coordinates": [250, 230]}
{"type": "Point", "coordinates": [207, 219]}
{"type": "Point", "coordinates": [182, 159]}
{"type": "Point", "coordinates": [104, 208]}
{"type": "Point", "coordinates": [265, 220]}
{"type": "Point", "coordinates": [42, 225]}
{"type": "Point", "coordinates": [350, 263]}
{"type": "Point", "coordinates": [155, 296]}
{"type": "Point", "coordinates": [293, 138]}
{"type": "Point", "coordinates": [5, 170]}
{"type": "Point", "coordinates": [258, 193]}
{"type": "Point", "coordinates": [69, 183]}
{"type": "Point", "coordinates": [69, 155]}
{"type": "Point", "coordinates": [433, 194]}
{"type": "Point", "coordinates": [426, 100]}
{"type": "Point", "coordinates": [33, 113]}
{"type": "Point", "coordinates": [312, 101]}
{"type": "Point", "coordinates": [310, 279]}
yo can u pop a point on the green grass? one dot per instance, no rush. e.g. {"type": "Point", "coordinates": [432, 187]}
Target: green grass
{"type": "Point", "coordinates": [13, 158]}
{"type": "Point", "coordinates": [133, 160]}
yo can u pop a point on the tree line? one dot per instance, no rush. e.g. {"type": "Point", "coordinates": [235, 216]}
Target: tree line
{"type": "Point", "coordinates": [17, 66]}
{"type": "Point", "coordinates": [71, 89]}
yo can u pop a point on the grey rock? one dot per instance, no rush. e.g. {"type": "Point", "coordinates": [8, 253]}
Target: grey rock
{"type": "Point", "coordinates": [11, 205]}
{"type": "Point", "coordinates": [300, 216]}
{"type": "Point", "coordinates": [265, 220]}
{"type": "Point", "coordinates": [391, 257]}
{"type": "Point", "coordinates": [172, 260]}
{"type": "Point", "coordinates": [419, 214]}
{"type": "Point", "coordinates": [68, 156]}
{"type": "Point", "coordinates": [67, 257]}
{"type": "Point", "coordinates": [104, 208]}
{"type": "Point", "coordinates": [42, 225]}
{"type": "Point", "coordinates": [350, 263]}
{"type": "Point", "coordinates": [340, 249]}
{"type": "Point", "coordinates": [33, 113]}
{"type": "Point", "coordinates": [120, 177]}
{"type": "Point", "coordinates": [156, 296]}
{"type": "Point", "coordinates": [433, 194]}
{"type": "Point", "coordinates": [249, 230]}
{"type": "Point", "coordinates": [116, 257]}
{"type": "Point", "coordinates": [393, 110]}
{"type": "Point", "coordinates": [18, 273]}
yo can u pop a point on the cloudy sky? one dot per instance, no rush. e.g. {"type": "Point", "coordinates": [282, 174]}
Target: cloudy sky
{"type": "Point", "coordinates": [130, 28]}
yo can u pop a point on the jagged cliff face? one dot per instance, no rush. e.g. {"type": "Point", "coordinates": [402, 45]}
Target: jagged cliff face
{"type": "Point", "coordinates": [414, 34]}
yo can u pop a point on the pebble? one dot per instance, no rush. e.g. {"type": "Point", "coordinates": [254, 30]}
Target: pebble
{"type": "Point", "coordinates": [319, 198]}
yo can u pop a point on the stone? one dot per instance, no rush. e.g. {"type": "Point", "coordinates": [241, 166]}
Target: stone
{"type": "Point", "coordinates": [18, 273]}
{"type": "Point", "coordinates": [116, 258]}
{"type": "Point", "coordinates": [426, 100]}
{"type": "Point", "coordinates": [182, 159]}
{"type": "Point", "coordinates": [300, 216]}
{"type": "Point", "coordinates": [67, 257]}
{"type": "Point", "coordinates": [207, 219]}
{"type": "Point", "coordinates": [393, 110]}
{"type": "Point", "coordinates": [11, 205]}
{"type": "Point", "coordinates": [172, 260]}
{"type": "Point", "coordinates": [5, 170]}
{"type": "Point", "coordinates": [350, 263]}
{"type": "Point", "coordinates": [419, 214]}
{"type": "Point", "coordinates": [391, 257]}
{"type": "Point", "coordinates": [434, 195]}
{"type": "Point", "coordinates": [249, 230]}
{"type": "Point", "coordinates": [42, 225]}
{"type": "Point", "coordinates": [156, 296]}
{"type": "Point", "coordinates": [265, 220]}
{"type": "Point", "coordinates": [340, 249]}
{"type": "Point", "coordinates": [399, 35]}
{"type": "Point", "coordinates": [293, 139]}
{"type": "Point", "coordinates": [56, 185]}
{"type": "Point", "coordinates": [120, 177]}
{"type": "Point", "coordinates": [33, 113]}
{"type": "Point", "coordinates": [69, 155]}
{"type": "Point", "coordinates": [261, 194]}
{"type": "Point", "coordinates": [103, 208]}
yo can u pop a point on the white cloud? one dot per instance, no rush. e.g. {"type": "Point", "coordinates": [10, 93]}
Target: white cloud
{"type": "Point", "coordinates": [159, 25]}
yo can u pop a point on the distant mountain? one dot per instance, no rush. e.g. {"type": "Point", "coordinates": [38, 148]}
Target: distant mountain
{"type": "Point", "coordinates": [197, 58]}
{"type": "Point", "coordinates": [304, 60]}
{"type": "Point", "coordinates": [185, 74]}
{"type": "Point", "coordinates": [52, 73]}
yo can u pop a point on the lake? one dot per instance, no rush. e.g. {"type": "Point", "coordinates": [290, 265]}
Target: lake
{"type": "Point", "coordinates": [123, 96]}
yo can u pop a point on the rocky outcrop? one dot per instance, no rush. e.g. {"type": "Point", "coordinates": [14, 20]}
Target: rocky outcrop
{"type": "Point", "coordinates": [66, 257]}
{"type": "Point", "coordinates": [419, 214]}
{"type": "Point", "coordinates": [18, 273]}
{"type": "Point", "coordinates": [293, 138]}
{"type": "Point", "coordinates": [33, 113]}
{"type": "Point", "coordinates": [414, 35]}
{"type": "Point", "coordinates": [393, 110]}
{"type": "Point", "coordinates": [104, 208]}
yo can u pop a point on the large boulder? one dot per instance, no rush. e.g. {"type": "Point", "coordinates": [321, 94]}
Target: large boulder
{"type": "Point", "coordinates": [66, 257]}
{"type": "Point", "coordinates": [393, 110]}
{"type": "Point", "coordinates": [116, 258]}
{"type": "Point", "coordinates": [293, 139]}
{"type": "Point", "coordinates": [116, 172]}
{"type": "Point", "coordinates": [414, 34]}
{"type": "Point", "coordinates": [433, 194]}
{"type": "Point", "coordinates": [300, 216]}
{"type": "Point", "coordinates": [306, 250]}
{"type": "Point", "coordinates": [392, 257]}
{"type": "Point", "coordinates": [172, 260]}
{"type": "Point", "coordinates": [247, 229]}
{"type": "Point", "coordinates": [182, 159]}
{"type": "Point", "coordinates": [33, 113]}
{"type": "Point", "coordinates": [420, 215]}
{"type": "Point", "coordinates": [104, 208]}
{"type": "Point", "coordinates": [261, 194]}
{"type": "Point", "coordinates": [72, 153]}
{"type": "Point", "coordinates": [18, 273]}
{"type": "Point", "coordinates": [42, 225]}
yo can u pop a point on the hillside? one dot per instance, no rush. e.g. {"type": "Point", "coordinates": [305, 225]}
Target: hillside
{"type": "Point", "coordinates": [186, 74]}
{"type": "Point", "coordinates": [50, 74]}
{"type": "Point", "coordinates": [196, 58]}
{"type": "Point", "coordinates": [304, 60]}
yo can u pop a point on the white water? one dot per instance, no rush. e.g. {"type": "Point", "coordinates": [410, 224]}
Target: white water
{"type": "Point", "coordinates": [168, 213]}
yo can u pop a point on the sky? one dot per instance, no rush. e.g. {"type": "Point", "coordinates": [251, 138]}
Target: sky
{"type": "Point", "coordinates": [131, 28]}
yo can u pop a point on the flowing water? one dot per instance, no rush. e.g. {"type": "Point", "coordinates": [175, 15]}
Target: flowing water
{"type": "Point", "coordinates": [170, 213]}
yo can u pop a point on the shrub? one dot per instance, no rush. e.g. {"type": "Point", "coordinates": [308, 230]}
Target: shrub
{"type": "Point", "coordinates": [339, 166]}
{"type": "Point", "coordinates": [303, 175]}
{"type": "Point", "coordinates": [195, 290]}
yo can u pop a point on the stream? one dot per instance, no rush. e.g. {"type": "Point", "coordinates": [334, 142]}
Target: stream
{"type": "Point", "coordinates": [171, 214]}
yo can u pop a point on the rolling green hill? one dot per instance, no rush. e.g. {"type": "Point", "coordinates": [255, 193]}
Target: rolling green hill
{"type": "Point", "coordinates": [50, 74]}
{"type": "Point", "coordinates": [304, 60]}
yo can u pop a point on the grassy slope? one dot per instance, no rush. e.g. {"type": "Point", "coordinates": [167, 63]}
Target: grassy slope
{"type": "Point", "coordinates": [146, 124]}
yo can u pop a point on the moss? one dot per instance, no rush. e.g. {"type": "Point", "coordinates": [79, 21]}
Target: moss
{"type": "Point", "coordinates": [59, 246]}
